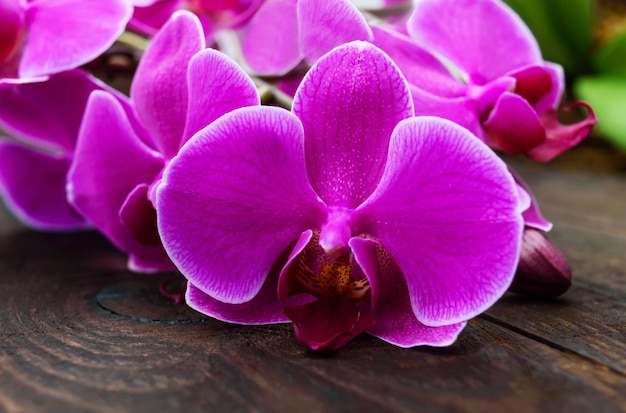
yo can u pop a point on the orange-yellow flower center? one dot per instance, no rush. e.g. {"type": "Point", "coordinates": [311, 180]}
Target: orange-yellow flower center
{"type": "Point", "coordinates": [334, 279]}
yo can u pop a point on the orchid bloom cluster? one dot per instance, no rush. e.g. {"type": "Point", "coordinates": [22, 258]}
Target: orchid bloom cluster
{"type": "Point", "coordinates": [375, 203]}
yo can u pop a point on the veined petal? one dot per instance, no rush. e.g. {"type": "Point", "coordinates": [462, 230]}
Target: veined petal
{"type": "Point", "coordinates": [326, 24]}
{"type": "Point", "coordinates": [513, 125]}
{"type": "Point", "coordinates": [270, 43]}
{"type": "Point", "coordinates": [485, 38]}
{"type": "Point", "coordinates": [64, 34]}
{"type": "Point", "coordinates": [57, 105]}
{"type": "Point", "coordinates": [159, 90]}
{"type": "Point", "coordinates": [217, 85]}
{"type": "Point", "coordinates": [349, 104]}
{"type": "Point", "coordinates": [395, 321]}
{"type": "Point", "coordinates": [32, 183]}
{"type": "Point", "coordinates": [446, 209]}
{"type": "Point", "coordinates": [109, 163]}
{"type": "Point", "coordinates": [234, 199]}
{"type": "Point", "coordinates": [264, 308]}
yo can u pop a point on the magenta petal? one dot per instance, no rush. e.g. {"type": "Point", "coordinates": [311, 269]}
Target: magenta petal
{"type": "Point", "coordinates": [461, 110]}
{"type": "Point", "coordinates": [395, 321]}
{"type": "Point", "coordinates": [485, 38]}
{"type": "Point", "coordinates": [349, 104]}
{"type": "Point", "coordinates": [421, 68]}
{"type": "Point", "coordinates": [446, 209]}
{"type": "Point", "coordinates": [109, 162]}
{"type": "Point", "coordinates": [32, 184]}
{"type": "Point", "coordinates": [217, 85]}
{"type": "Point", "coordinates": [327, 323]}
{"type": "Point", "coordinates": [139, 217]}
{"type": "Point", "coordinates": [531, 213]}
{"type": "Point", "coordinates": [234, 198]}
{"type": "Point", "coordinates": [561, 137]}
{"type": "Point", "coordinates": [326, 24]}
{"type": "Point", "coordinates": [12, 31]}
{"type": "Point", "coordinates": [66, 34]}
{"type": "Point", "coordinates": [159, 90]}
{"type": "Point", "coordinates": [150, 16]}
{"type": "Point", "coordinates": [270, 44]}
{"type": "Point", "coordinates": [264, 308]}
{"type": "Point", "coordinates": [513, 125]}
{"type": "Point", "coordinates": [58, 105]}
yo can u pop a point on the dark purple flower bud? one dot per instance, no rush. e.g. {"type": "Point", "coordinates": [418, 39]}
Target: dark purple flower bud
{"type": "Point", "coordinates": [543, 270]}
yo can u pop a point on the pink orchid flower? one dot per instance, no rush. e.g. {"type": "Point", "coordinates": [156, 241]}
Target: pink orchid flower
{"type": "Point", "coordinates": [274, 35]}
{"type": "Point", "coordinates": [345, 215]}
{"type": "Point", "coordinates": [40, 38]}
{"type": "Point", "coordinates": [507, 94]}
{"type": "Point", "coordinates": [179, 88]}
{"type": "Point", "coordinates": [44, 118]}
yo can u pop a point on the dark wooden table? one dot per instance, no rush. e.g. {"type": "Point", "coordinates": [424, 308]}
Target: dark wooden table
{"type": "Point", "coordinates": [79, 333]}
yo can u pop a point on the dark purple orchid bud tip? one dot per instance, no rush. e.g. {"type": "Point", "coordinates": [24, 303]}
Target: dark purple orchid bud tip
{"type": "Point", "coordinates": [543, 270]}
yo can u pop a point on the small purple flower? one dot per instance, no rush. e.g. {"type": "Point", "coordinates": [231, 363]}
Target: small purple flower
{"type": "Point", "coordinates": [274, 35]}
{"type": "Point", "coordinates": [179, 88]}
{"type": "Point", "coordinates": [45, 118]}
{"type": "Point", "coordinates": [508, 95]}
{"type": "Point", "coordinates": [40, 38]}
{"type": "Point", "coordinates": [345, 215]}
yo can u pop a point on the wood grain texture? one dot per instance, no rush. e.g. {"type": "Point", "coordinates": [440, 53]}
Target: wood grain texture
{"type": "Point", "coordinates": [79, 333]}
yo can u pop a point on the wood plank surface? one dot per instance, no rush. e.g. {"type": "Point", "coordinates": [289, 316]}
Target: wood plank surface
{"type": "Point", "coordinates": [79, 333]}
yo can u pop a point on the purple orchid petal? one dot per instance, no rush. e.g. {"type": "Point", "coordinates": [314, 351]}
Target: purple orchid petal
{"type": "Point", "coordinates": [139, 217]}
{"type": "Point", "coordinates": [212, 95]}
{"type": "Point", "coordinates": [270, 43]}
{"type": "Point", "coordinates": [562, 137]}
{"type": "Point", "coordinates": [149, 16]}
{"type": "Point", "coordinates": [541, 86]}
{"type": "Point", "coordinates": [326, 24]}
{"type": "Point", "coordinates": [109, 162]}
{"type": "Point", "coordinates": [264, 308]}
{"type": "Point", "coordinates": [159, 90]}
{"type": "Point", "coordinates": [461, 111]}
{"type": "Point", "coordinates": [395, 321]}
{"type": "Point", "coordinates": [12, 30]}
{"type": "Point", "coordinates": [446, 209]}
{"type": "Point", "coordinates": [530, 207]}
{"type": "Point", "coordinates": [64, 34]}
{"type": "Point", "coordinates": [234, 198]}
{"type": "Point", "coordinates": [349, 104]}
{"type": "Point", "coordinates": [513, 125]}
{"type": "Point", "coordinates": [421, 69]}
{"type": "Point", "coordinates": [327, 323]}
{"type": "Point", "coordinates": [57, 104]}
{"type": "Point", "coordinates": [485, 38]}
{"type": "Point", "coordinates": [32, 183]}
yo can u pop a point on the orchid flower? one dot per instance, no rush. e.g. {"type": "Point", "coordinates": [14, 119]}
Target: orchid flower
{"type": "Point", "coordinates": [44, 118]}
{"type": "Point", "coordinates": [40, 38]}
{"type": "Point", "coordinates": [179, 88]}
{"type": "Point", "coordinates": [507, 94]}
{"type": "Point", "coordinates": [345, 215]}
{"type": "Point", "coordinates": [274, 35]}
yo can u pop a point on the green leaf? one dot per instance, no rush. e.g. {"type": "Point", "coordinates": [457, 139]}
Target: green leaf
{"type": "Point", "coordinates": [562, 28]}
{"type": "Point", "coordinates": [607, 97]}
{"type": "Point", "coordinates": [611, 58]}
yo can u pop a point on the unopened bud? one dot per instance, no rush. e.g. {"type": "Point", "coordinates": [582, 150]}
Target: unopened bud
{"type": "Point", "coordinates": [543, 270]}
